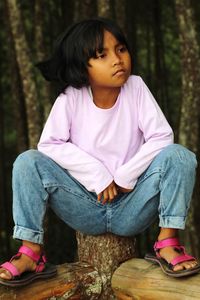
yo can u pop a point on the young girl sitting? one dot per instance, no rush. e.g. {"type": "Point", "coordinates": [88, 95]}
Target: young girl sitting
{"type": "Point", "coordinates": [105, 162]}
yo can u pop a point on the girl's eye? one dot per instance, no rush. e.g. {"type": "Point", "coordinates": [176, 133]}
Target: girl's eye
{"type": "Point", "coordinates": [122, 49]}
{"type": "Point", "coordinates": [100, 56]}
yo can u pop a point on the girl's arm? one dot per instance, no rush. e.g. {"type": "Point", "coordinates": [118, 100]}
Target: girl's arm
{"type": "Point", "coordinates": [54, 142]}
{"type": "Point", "coordinates": [157, 135]}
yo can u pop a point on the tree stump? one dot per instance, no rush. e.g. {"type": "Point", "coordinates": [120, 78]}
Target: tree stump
{"type": "Point", "coordinates": [105, 253]}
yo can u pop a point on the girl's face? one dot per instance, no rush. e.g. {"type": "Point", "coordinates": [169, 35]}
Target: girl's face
{"type": "Point", "coordinates": [112, 67]}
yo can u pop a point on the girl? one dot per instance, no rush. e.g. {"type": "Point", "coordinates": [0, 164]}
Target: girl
{"type": "Point", "coordinates": [105, 162]}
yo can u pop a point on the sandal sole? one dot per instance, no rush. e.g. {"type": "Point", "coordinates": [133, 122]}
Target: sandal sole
{"type": "Point", "coordinates": [28, 277]}
{"type": "Point", "coordinates": [165, 268]}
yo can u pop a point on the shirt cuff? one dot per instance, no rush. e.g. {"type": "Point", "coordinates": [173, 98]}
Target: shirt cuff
{"type": "Point", "coordinates": [104, 185]}
{"type": "Point", "coordinates": [123, 183]}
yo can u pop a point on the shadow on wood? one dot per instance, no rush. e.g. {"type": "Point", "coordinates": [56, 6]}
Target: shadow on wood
{"type": "Point", "coordinates": [141, 280]}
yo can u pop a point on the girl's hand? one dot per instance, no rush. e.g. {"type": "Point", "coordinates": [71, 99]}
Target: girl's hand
{"type": "Point", "coordinates": [123, 190]}
{"type": "Point", "coordinates": [108, 194]}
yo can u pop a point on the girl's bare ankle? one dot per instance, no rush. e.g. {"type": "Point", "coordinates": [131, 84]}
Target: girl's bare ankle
{"type": "Point", "coordinates": [166, 233]}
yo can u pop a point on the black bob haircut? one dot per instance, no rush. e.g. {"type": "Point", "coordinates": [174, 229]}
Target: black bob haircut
{"type": "Point", "coordinates": [73, 49]}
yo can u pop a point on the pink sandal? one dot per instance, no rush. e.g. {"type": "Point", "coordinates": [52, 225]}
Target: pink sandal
{"type": "Point", "coordinates": [166, 267]}
{"type": "Point", "coordinates": [43, 270]}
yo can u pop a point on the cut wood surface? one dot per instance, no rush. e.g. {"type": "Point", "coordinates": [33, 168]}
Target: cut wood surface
{"type": "Point", "coordinates": [74, 281]}
{"type": "Point", "coordinates": [141, 280]}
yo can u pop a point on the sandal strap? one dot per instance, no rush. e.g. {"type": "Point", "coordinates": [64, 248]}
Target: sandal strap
{"type": "Point", "coordinates": [39, 259]}
{"type": "Point", "coordinates": [173, 242]}
{"type": "Point", "coordinates": [10, 268]}
{"type": "Point", "coordinates": [40, 267]}
{"type": "Point", "coordinates": [30, 253]}
{"type": "Point", "coordinates": [181, 258]}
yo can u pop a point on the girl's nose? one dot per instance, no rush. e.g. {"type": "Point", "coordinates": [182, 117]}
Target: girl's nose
{"type": "Point", "coordinates": [116, 59]}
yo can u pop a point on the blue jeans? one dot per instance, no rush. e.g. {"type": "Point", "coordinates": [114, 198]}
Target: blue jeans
{"type": "Point", "coordinates": [164, 190]}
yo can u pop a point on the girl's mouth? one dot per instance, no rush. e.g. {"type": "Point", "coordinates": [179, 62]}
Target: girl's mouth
{"type": "Point", "coordinates": [119, 72]}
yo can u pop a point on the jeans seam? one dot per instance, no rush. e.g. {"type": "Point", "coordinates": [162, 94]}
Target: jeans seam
{"type": "Point", "coordinates": [56, 185]}
{"type": "Point", "coordinates": [109, 217]}
{"type": "Point", "coordinates": [66, 188]}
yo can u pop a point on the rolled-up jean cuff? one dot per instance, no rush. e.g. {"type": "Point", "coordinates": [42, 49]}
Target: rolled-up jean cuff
{"type": "Point", "coordinates": [172, 222]}
{"type": "Point", "coordinates": [26, 234]}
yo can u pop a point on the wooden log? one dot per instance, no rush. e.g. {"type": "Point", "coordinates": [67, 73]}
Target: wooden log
{"type": "Point", "coordinates": [142, 280]}
{"type": "Point", "coordinates": [74, 281]}
{"type": "Point", "coordinates": [105, 252]}
{"type": "Point", "coordinates": [90, 278]}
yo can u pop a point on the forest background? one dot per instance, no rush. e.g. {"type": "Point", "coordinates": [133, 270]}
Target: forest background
{"type": "Point", "coordinates": [164, 37]}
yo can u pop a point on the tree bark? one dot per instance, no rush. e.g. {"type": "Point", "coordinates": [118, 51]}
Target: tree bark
{"type": "Point", "coordinates": [84, 9]}
{"type": "Point", "coordinates": [44, 86]}
{"type": "Point", "coordinates": [190, 108]}
{"type": "Point", "coordinates": [160, 69]}
{"type": "Point", "coordinates": [190, 63]}
{"type": "Point", "coordinates": [131, 31]}
{"type": "Point", "coordinates": [120, 14]}
{"type": "Point", "coordinates": [26, 72]}
{"type": "Point", "coordinates": [18, 107]}
{"type": "Point", "coordinates": [105, 253]}
{"type": "Point", "coordinates": [3, 204]}
{"type": "Point", "coordinates": [104, 8]}
{"type": "Point", "coordinates": [67, 8]}
{"type": "Point", "coordinates": [6, 117]}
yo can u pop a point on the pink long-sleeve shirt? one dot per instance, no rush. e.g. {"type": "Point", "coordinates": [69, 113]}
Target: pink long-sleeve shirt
{"type": "Point", "coordinates": [98, 145]}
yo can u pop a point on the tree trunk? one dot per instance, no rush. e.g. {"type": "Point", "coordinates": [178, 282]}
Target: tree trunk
{"type": "Point", "coordinates": [190, 63]}
{"type": "Point", "coordinates": [44, 86]}
{"type": "Point", "coordinates": [67, 8]}
{"type": "Point", "coordinates": [120, 14]}
{"type": "Point", "coordinates": [3, 208]}
{"type": "Point", "coordinates": [160, 69]}
{"type": "Point", "coordinates": [5, 117]}
{"type": "Point", "coordinates": [84, 9]}
{"type": "Point", "coordinates": [105, 253]}
{"type": "Point", "coordinates": [104, 8]}
{"type": "Point", "coordinates": [18, 107]}
{"type": "Point", "coordinates": [131, 31]}
{"type": "Point", "coordinates": [26, 72]}
{"type": "Point", "coordinates": [190, 109]}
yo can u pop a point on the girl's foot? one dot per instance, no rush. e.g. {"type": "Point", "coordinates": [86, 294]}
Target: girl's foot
{"type": "Point", "coordinates": [23, 263]}
{"type": "Point", "coordinates": [169, 253]}
{"type": "Point", "coordinates": [171, 256]}
{"type": "Point", "coordinates": [28, 265]}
